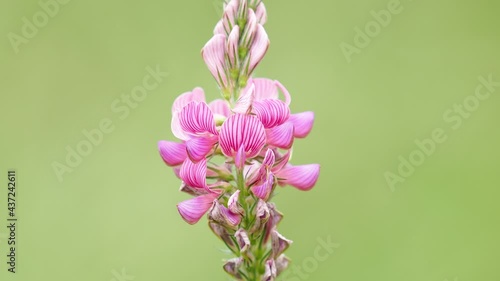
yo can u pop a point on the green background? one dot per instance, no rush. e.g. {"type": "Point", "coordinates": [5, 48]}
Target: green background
{"type": "Point", "coordinates": [117, 208]}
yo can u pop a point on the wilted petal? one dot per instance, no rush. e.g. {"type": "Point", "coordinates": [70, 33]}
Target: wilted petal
{"type": "Point", "coordinates": [263, 189]}
{"type": "Point", "coordinates": [232, 47]}
{"type": "Point", "coordinates": [232, 203]}
{"type": "Point", "coordinates": [275, 218]}
{"type": "Point", "coordinates": [223, 234]}
{"type": "Point", "coordinates": [281, 136]}
{"type": "Point", "coordinates": [220, 214]}
{"type": "Point", "coordinates": [214, 55]}
{"type": "Point", "coordinates": [271, 112]}
{"type": "Point", "coordinates": [196, 119]}
{"type": "Point", "coordinates": [199, 148]}
{"type": "Point", "coordinates": [192, 210]}
{"type": "Point", "coordinates": [271, 273]}
{"type": "Point", "coordinates": [259, 47]}
{"type": "Point", "coordinates": [303, 177]}
{"type": "Point", "coordinates": [194, 174]}
{"type": "Point", "coordinates": [262, 216]}
{"type": "Point", "coordinates": [173, 153]}
{"type": "Point", "coordinates": [282, 263]}
{"type": "Point", "coordinates": [303, 123]}
{"type": "Point", "coordinates": [243, 240]}
{"type": "Point", "coordinates": [242, 129]}
{"type": "Point", "coordinates": [232, 267]}
{"type": "Point", "coordinates": [220, 109]}
{"type": "Point", "coordinates": [279, 243]}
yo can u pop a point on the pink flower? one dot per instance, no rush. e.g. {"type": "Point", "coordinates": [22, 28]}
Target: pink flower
{"type": "Point", "coordinates": [242, 130]}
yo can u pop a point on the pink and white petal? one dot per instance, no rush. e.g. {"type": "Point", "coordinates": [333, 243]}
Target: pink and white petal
{"type": "Point", "coordinates": [265, 89]}
{"type": "Point", "coordinates": [172, 153]}
{"type": "Point", "coordinates": [261, 13]}
{"type": "Point", "coordinates": [232, 47]}
{"type": "Point", "coordinates": [245, 101]}
{"type": "Point", "coordinates": [250, 29]}
{"type": "Point", "coordinates": [303, 123]}
{"type": "Point", "coordinates": [194, 174]}
{"type": "Point", "coordinates": [220, 107]}
{"type": "Point", "coordinates": [199, 148]}
{"type": "Point", "coordinates": [303, 177]}
{"type": "Point", "coordinates": [281, 161]}
{"type": "Point", "coordinates": [219, 28]}
{"type": "Point", "coordinates": [213, 54]}
{"type": "Point", "coordinates": [269, 158]}
{"type": "Point", "coordinates": [242, 129]}
{"type": "Point", "coordinates": [281, 136]}
{"type": "Point", "coordinates": [232, 203]}
{"type": "Point", "coordinates": [259, 47]}
{"type": "Point", "coordinates": [184, 99]}
{"type": "Point", "coordinates": [192, 210]}
{"type": "Point", "coordinates": [286, 94]}
{"type": "Point", "coordinates": [271, 112]}
{"type": "Point", "coordinates": [196, 119]}
{"type": "Point", "coordinates": [279, 243]}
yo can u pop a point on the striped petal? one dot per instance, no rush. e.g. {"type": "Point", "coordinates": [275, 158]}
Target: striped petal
{"type": "Point", "coordinates": [261, 13]}
{"type": "Point", "coordinates": [265, 89]}
{"type": "Point", "coordinates": [232, 47]}
{"type": "Point", "coordinates": [222, 215]}
{"type": "Point", "coordinates": [213, 54]}
{"type": "Point", "coordinates": [303, 177]}
{"type": "Point", "coordinates": [303, 123]}
{"type": "Point", "coordinates": [281, 136]}
{"type": "Point", "coordinates": [192, 210]}
{"type": "Point", "coordinates": [263, 190]}
{"type": "Point", "coordinates": [197, 119]}
{"type": "Point", "coordinates": [180, 102]}
{"type": "Point", "coordinates": [242, 129]}
{"type": "Point", "coordinates": [259, 47]}
{"type": "Point", "coordinates": [172, 153]}
{"type": "Point", "coordinates": [271, 112]}
{"type": "Point", "coordinates": [194, 174]}
{"type": "Point", "coordinates": [199, 148]}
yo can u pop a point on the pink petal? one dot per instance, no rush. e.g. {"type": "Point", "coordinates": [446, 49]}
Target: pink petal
{"type": "Point", "coordinates": [220, 107]}
{"type": "Point", "coordinates": [263, 189]}
{"type": "Point", "coordinates": [245, 101]}
{"type": "Point", "coordinates": [197, 119]}
{"type": "Point", "coordinates": [194, 175]}
{"type": "Point", "coordinates": [232, 47]}
{"type": "Point", "coordinates": [259, 47]}
{"type": "Point", "coordinates": [303, 123]}
{"type": "Point", "coordinates": [281, 136]}
{"type": "Point", "coordinates": [240, 158]}
{"type": "Point", "coordinates": [265, 89]}
{"type": "Point", "coordinates": [281, 161]}
{"type": "Point", "coordinates": [250, 29]}
{"type": "Point", "coordinates": [214, 55]}
{"type": "Point", "coordinates": [285, 92]}
{"type": "Point", "coordinates": [192, 210]}
{"type": "Point", "coordinates": [270, 273]}
{"type": "Point", "coordinates": [242, 129]}
{"type": "Point", "coordinates": [180, 102]}
{"type": "Point", "coordinates": [230, 15]}
{"type": "Point", "coordinates": [269, 159]}
{"type": "Point", "coordinates": [173, 153]}
{"type": "Point", "coordinates": [223, 215]}
{"type": "Point", "coordinates": [199, 148]}
{"type": "Point", "coordinates": [219, 28]}
{"type": "Point", "coordinates": [303, 177]}
{"type": "Point", "coordinates": [261, 13]}
{"type": "Point", "coordinates": [271, 112]}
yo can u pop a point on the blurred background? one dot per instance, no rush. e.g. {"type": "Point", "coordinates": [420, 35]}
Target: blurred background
{"type": "Point", "coordinates": [378, 86]}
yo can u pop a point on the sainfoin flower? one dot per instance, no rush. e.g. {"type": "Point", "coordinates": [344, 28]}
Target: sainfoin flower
{"type": "Point", "coordinates": [253, 131]}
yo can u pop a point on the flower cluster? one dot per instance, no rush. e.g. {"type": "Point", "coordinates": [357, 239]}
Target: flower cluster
{"type": "Point", "coordinates": [234, 152]}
